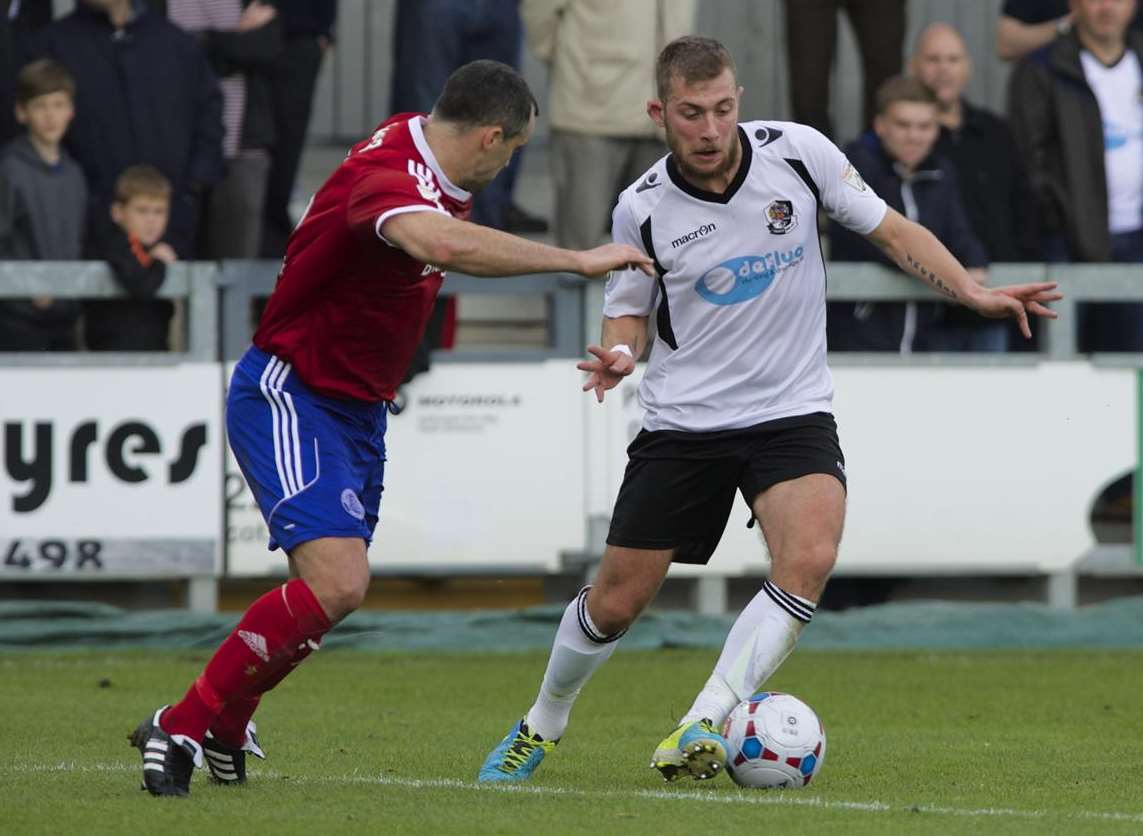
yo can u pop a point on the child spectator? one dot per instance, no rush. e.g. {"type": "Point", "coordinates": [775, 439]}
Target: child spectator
{"type": "Point", "coordinates": [138, 257]}
{"type": "Point", "coordinates": [43, 200]}
{"type": "Point", "coordinates": [896, 159]}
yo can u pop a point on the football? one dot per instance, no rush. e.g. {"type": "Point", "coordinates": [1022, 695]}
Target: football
{"type": "Point", "coordinates": [776, 740]}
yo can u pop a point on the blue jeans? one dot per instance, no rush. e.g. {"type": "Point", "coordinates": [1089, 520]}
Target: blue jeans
{"type": "Point", "coordinates": [957, 336]}
{"type": "Point", "coordinates": [1110, 326]}
{"type": "Point", "coordinates": [434, 37]}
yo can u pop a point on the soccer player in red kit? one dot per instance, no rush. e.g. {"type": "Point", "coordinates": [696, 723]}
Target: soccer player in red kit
{"type": "Point", "coordinates": [308, 403]}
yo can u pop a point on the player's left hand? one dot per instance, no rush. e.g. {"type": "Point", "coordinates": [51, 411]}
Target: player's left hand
{"type": "Point", "coordinates": [605, 370]}
{"type": "Point", "coordinates": [1016, 301]}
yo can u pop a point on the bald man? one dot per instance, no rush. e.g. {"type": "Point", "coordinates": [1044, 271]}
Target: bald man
{"type": "Point", "coordinates": [1000, 205]}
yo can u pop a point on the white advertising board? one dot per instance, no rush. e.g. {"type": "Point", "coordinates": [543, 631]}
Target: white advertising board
{"type": "Point", "coordinates": [110, 472]}
{"type": "Point", "coordinates": [952, 469]}
{"type": "Point", "coordinates": [485, 470]}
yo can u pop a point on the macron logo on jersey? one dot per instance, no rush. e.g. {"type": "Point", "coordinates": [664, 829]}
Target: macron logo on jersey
{"type": "Point", "coordinates": [705, 229]}
{"type": "Point", "coordinates": [426, 184]}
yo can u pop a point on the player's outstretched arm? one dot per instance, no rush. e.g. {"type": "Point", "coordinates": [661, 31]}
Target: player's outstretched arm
{"type": "Point", "coordinates": [918, 252]}
{"type": "Point", "coordinates": [621, 341]}
{"type": "Point", "coordinates": [443, 241]}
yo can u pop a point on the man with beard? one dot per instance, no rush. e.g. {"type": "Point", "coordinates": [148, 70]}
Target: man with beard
{"type": "Point", "coordinates": [737, 393]}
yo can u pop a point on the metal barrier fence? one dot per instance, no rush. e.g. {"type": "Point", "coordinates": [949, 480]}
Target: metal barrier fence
{"type": "Point", "coordinates": [219, 299]}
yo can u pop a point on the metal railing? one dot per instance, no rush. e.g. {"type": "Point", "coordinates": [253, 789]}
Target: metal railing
{"type": "Point", "coordinates": [219, 299]}
{"type": "Point", "coordinates": [190, 281]}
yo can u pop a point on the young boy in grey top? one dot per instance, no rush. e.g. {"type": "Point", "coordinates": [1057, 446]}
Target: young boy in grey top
{"type": "Point", "coordinates": [43, 203]}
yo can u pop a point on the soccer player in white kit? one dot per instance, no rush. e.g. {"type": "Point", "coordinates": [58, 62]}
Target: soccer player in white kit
{"type": "Point", "coordinates": [737, 392]}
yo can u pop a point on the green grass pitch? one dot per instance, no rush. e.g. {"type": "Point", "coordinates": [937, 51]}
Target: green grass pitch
{"type": "Point", "coordinates": [981, 742]}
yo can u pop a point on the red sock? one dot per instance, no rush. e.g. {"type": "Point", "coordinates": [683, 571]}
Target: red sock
{"type": "Point", "coordinates": [230, 725]}
{"type": "Point", "coordinates": [276, 629]}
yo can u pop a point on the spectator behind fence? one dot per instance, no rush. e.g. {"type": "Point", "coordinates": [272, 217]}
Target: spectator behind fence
{"type": "Point", "coordinates": [1078, 120]}
{"type": "Point", "coordinates": [144, 94]}
{"type": "Point", "coordinates": [134, 248]}
{"type": "Point", "coordinates": [18, 18]}
{"type": "Point", "coordinates": [242, 44]}
{"type": "Point", "coordinates": [1027, 25]}
{"type": "Point", "coordinates": [896, 159]}
{"type": "Point", "coordinates": [459, 31]}
{"type": "Point", "coordinates": [993, 183]}
{"type": "Point", "coordinates": [42, 206]}
{"type": "Point", "coordinates": [811, 40]}
{"type": "Point", "coordinates": [602, 60]}
{"type": "Point", "coordinates": [307, 26]}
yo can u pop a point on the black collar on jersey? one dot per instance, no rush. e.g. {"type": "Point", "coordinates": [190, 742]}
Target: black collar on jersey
{"type": "Point", "coordinates": [714, 197]}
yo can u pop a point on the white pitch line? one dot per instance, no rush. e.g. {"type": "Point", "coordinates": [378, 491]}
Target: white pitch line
{"type": "Point", "coordinates": [743, 797]}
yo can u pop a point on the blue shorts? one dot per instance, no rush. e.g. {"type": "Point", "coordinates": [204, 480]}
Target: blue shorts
{"type": "Point", "coordinates": [315, 465]}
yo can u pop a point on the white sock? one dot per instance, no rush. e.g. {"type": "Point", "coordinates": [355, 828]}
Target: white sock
{"type": "Point", "coordinates": [578, 650]}
{"type": "Point", "coordinates": [760, 640]}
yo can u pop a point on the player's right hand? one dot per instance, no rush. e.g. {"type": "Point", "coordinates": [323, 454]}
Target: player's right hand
{"type": "Point", "coordinates": [605, 370]}
{"type": "Point", "coordinates": [602, 260]}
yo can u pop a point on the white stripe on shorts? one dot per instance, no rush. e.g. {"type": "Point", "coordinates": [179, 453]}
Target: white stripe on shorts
{"type": "Point", "coordinates": [287, 446]}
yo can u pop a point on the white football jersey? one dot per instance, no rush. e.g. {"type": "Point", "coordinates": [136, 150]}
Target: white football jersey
{"type": "Point", "coordinates": [741, 280]}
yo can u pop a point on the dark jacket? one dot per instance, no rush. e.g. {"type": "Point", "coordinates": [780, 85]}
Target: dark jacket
{"type": "Point", "coordinates": [933, 189]}
{"type": "Point", "coordinates": [41, 219]}
{"type": "Point", "coordinates": [138, 321]}
{"type": "Point", "coordinates": [144, 95]}
{"type": "Point", "coordinates": [1057, 126]}
{"type": "Point", "coordinates": [308, 18]}
{"type": "Point", "coordinates": [931, 198]}
{"type": "Point", "coordinates": [993, 184]}
{"type": "Point", "coordinates": [251, 53]}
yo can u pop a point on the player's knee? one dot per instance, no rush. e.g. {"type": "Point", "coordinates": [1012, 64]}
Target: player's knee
{"type": "Point", "coordinates": [613, 612]}
{"type": "Point", "coordinates": [818, 560]}
{"type": "Point", "coordinates": [339, 596]}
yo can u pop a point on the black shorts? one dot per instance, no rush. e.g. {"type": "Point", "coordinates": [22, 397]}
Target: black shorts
{"type": "Point", "coordinates": [678, 489]}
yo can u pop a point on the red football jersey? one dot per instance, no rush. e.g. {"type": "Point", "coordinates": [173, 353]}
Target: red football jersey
{"type": "Point", "coordinates": [349, 308]}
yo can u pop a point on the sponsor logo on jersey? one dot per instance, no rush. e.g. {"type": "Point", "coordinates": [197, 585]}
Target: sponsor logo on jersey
{"type": "Point", "coordinates": [648, 182]}
{"type": "Point", "coordinates": [745, 277]}
{"type": "Point", "coordinates": [352, 504]}
{"type": "Point", "coordinates": [705, 229]}
{"type": "Point", "coordinates": [852, 178]}
{"type": "Point", "coordinates": [780, 216]}
{"type": "Point", "coordinates": [767, 135]}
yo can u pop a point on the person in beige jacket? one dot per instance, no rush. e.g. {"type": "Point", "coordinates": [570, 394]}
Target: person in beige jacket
{"type": "Point", "coordinates": [601, 54]}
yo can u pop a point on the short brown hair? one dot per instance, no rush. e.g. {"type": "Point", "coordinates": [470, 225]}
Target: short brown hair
{"type": "Point", "coordinates": [41, 78]}
{"type": "Point", "coordinates": [692, 58]}
{"type": "Point", "coordinates": [141, 181]}
{"type": "Point", "coordinates": [901, 88]}
{"type": "Point", "coordinates": [484, 93]}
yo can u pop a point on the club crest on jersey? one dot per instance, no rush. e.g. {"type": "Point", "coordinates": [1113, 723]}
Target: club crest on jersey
{"type": "Point", "coordinates": [780, 216]}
